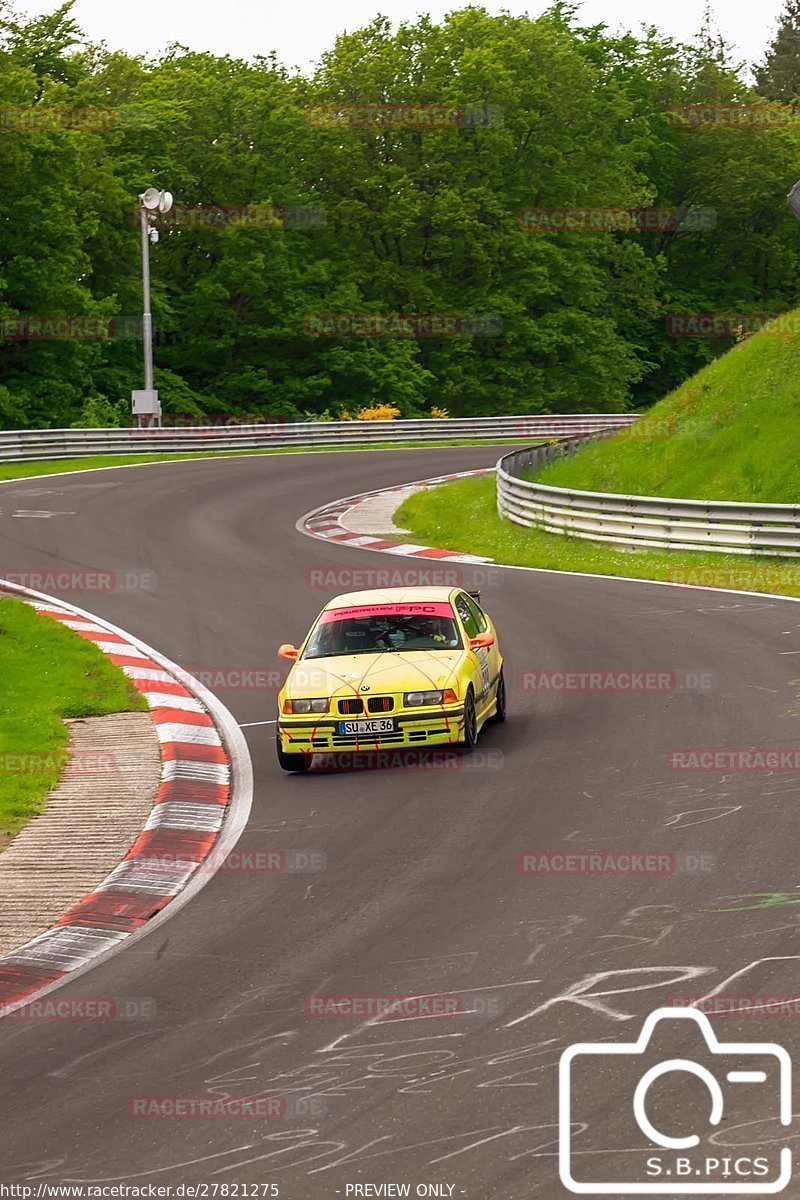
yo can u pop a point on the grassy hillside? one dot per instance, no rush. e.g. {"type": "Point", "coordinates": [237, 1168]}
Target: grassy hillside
{"type": "Point", "coordinates": [463, 516]}
{"type": "Point", "coordinates": [732, 432]}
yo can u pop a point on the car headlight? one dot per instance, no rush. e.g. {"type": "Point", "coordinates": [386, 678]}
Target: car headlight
{"type": "Point", "coordinates": [418, 699]}
{"type": "Point", "coordinates": [307, 706]}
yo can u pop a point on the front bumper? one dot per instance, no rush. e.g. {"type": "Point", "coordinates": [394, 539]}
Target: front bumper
{"type": "Point", "coordinates": [434, 727]}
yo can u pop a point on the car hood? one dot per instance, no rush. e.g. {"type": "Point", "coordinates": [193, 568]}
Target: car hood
{"type": "Point", "coordinates": [343, 675]}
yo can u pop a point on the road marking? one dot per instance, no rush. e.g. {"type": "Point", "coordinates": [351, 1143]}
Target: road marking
{"type": "Point", "coordinates": [40, 492]}
{"type": "Point", "coordinates": [251, 724]}
{"type": "Point", "coordinates": [35, 512]}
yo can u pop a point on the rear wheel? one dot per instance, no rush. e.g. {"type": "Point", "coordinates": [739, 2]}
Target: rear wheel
{"type": "Point", "coordinates": [470, 721]}
{"type": "Point", "coordinates": [500, 711]}
{"type": "Point", "coordinates": [298, 763]}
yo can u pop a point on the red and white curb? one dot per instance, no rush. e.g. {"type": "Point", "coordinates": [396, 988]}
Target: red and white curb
{"type": "Point", "coordinates": [325, 523]}
{"type": "Point", "coordinates": [202, 805]}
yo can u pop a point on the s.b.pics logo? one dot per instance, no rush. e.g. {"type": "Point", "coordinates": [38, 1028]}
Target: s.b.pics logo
{"type": "Point", "coordinates": [655, 1120]}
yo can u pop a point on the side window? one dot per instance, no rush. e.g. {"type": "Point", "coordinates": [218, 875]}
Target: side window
{"type": "Point", "coordinates": [477, 614]}
{"type": "Point", "coordinates": [468, 618]}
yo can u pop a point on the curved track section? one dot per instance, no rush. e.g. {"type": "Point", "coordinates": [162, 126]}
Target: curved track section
{"type": "Point", "coordinates": [327, 523]}
{"type": "Point", "coordinates": [422, 892]}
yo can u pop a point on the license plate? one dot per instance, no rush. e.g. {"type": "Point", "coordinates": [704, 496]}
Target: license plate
{"type": "Point", "coordinates": [379, 725]}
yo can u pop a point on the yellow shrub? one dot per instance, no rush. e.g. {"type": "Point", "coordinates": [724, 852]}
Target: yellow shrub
{"type": "Point", "coordinates": [376, 412]}
{"type": "Point", "coordinates": [439, 412]}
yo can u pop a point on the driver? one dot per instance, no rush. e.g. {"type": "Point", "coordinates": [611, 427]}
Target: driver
{"type": "Point", "coordinates": [436, 630]}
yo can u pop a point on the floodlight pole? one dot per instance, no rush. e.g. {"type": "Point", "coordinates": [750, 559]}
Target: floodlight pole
{"type": "Point", "coordinates": [147, 316]}
{"type": "Point", "coordinates": [146, 405]}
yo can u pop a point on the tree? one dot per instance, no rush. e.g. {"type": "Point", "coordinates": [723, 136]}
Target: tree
{"type": "Point", "coordinates": [778, 77]}
{"type": "Point", "coordinates": [414, 216]}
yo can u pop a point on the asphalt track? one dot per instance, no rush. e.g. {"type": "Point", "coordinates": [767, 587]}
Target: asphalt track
{"type": "Point", "coordinates": [422, 891]}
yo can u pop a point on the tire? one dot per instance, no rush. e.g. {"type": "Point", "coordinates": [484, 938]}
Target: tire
{"type": "Point", "coordinates": [297, 763]}
{"type": "Point", "coordinates": [470, 721]}
{"type": "Point", "coordinates": [500, 713]}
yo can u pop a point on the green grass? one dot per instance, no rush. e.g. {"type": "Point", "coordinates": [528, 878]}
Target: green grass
{"type": "Point", "coordinates": [731, 432]}
{"type": "Point", "coordinates": [47, 673]}
{"type": "Point", "coordinates": [9, 471]}
{"type": "Point", "coordinates": [463, 516]}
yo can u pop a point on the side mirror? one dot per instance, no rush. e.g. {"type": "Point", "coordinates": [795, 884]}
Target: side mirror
{"type": "Point", "coordinates": [482, 642]}
{"type": "Point", "coordinates": [287, 650]}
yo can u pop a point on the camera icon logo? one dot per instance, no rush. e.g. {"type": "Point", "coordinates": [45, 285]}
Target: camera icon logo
{"type": "Point", "coordinates": [667, 1164]}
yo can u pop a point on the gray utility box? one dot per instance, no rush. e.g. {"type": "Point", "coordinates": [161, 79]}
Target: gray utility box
{"type": "Point", "coordinates": [146, 403]}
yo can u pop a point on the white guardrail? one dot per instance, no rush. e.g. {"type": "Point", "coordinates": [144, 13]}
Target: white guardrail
{"type": "Point", "coordinates": [641, 521]}
{"type": "Point", "coordinates": [29, 445]}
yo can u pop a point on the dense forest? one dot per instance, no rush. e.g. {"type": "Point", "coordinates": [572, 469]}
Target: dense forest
{"type": "Point", "coordinates": [392, 227]}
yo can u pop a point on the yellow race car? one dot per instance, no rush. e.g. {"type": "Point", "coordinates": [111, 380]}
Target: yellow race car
{"type": "Point", "coordinates": [395, 668]}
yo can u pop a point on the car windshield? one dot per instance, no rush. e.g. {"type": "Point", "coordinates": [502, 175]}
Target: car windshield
{"type": "Point", "coordinates": [382, 633]}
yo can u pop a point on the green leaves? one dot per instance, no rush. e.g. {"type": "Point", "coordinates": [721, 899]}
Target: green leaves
{"type": "Point", "coordinates": [415, 148]}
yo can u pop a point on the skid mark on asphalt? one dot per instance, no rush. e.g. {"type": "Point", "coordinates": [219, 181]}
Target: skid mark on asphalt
{"type": "Point", "coordinates": [416, 1066]}
{"type": "Point", "coordinates": [761, 900]}
{"type": "Point", "coordinates": [36, 492]}
{"type": "Point", "coordinates": [446, 962]}
{"type": "Point", "coordinates": [40, 513]}
{"type": "Point", "coordinates": [726, 788]}
{"type": "Point", "coordinates": [792, 927]}
{"type": "Point", "coordinates": [718, 813]}
{"type": "Point", "coordinates": [704, 610]}
{"type": "Point", "coordinates": [109, 1047]}
{"type": "Point", "coordinates": [291, 823]}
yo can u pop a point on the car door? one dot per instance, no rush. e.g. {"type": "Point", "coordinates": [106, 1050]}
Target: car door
{"type": "Point", "coordinates": [493, 653]}
{"type": "Point", "coordinates": [475, 622]}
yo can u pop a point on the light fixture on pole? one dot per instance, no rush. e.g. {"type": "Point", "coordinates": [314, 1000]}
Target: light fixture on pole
{"type": "Point", "coordinates": [793, 199]}
{"type": "Point", "coordinates": [146, 405]}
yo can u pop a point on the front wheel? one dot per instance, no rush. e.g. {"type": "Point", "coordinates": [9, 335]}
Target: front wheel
{"type": "Point", "coordinates": [298, 763]}
{"type": "Point", "coordinates": [470, 722]}
{"type": "Point", "coordinates": [500, 701]}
